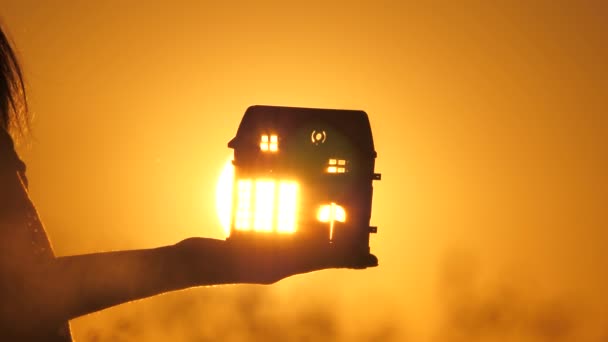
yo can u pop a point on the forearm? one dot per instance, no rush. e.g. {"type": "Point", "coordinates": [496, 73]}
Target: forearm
{"type": "Point", "coordinates": [67, 287]}
{"type": "Point", "coordinates": [83, 284]}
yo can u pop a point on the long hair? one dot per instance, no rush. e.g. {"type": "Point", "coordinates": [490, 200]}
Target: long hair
{"type": "Point", "coordinates": [13, 102]}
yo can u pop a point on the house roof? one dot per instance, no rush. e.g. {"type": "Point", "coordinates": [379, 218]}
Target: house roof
{"type": "Point", "coordinates": [352, 125]}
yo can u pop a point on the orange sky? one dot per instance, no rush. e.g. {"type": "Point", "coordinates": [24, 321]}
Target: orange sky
{"type": "Point", "coordinates": [490, 123]}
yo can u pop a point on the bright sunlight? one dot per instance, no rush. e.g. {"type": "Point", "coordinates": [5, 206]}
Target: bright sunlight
{"type": "Point", "coordinates": [223, 195]}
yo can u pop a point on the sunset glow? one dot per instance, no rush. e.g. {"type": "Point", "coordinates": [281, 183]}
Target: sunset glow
{"type": "Point", "coordinates": [489, 119]}
{"type": "Point", "coordinates": [223, 195]}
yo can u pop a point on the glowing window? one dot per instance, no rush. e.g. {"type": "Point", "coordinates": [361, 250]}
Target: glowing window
{"type": "Point", "coordinates": [242, 219]}
{"type": "Point", "coordinates": [318, 137]}
{"type": "Point", "coordinates": [269, 143]}
{"type": "Point", "coordinates": [264, 143]}
{"type": "Point", "coordinates": [287, 216]}
{"type": "Point", "coordinates": [331, 213]}
{"type": "Point", "coordinates": [274, 143]}
{"type": "Point", "coordinates": [336, 166]}
{"type": "Point", "coordinates": [266, 205]}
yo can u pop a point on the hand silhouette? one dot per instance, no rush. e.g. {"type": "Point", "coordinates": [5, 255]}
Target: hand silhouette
{"type": "Point", "coordinates": [262, 262]}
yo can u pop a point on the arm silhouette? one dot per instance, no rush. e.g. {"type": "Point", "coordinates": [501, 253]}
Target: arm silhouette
{"type": "Point", "coordinates": [61, 288]}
